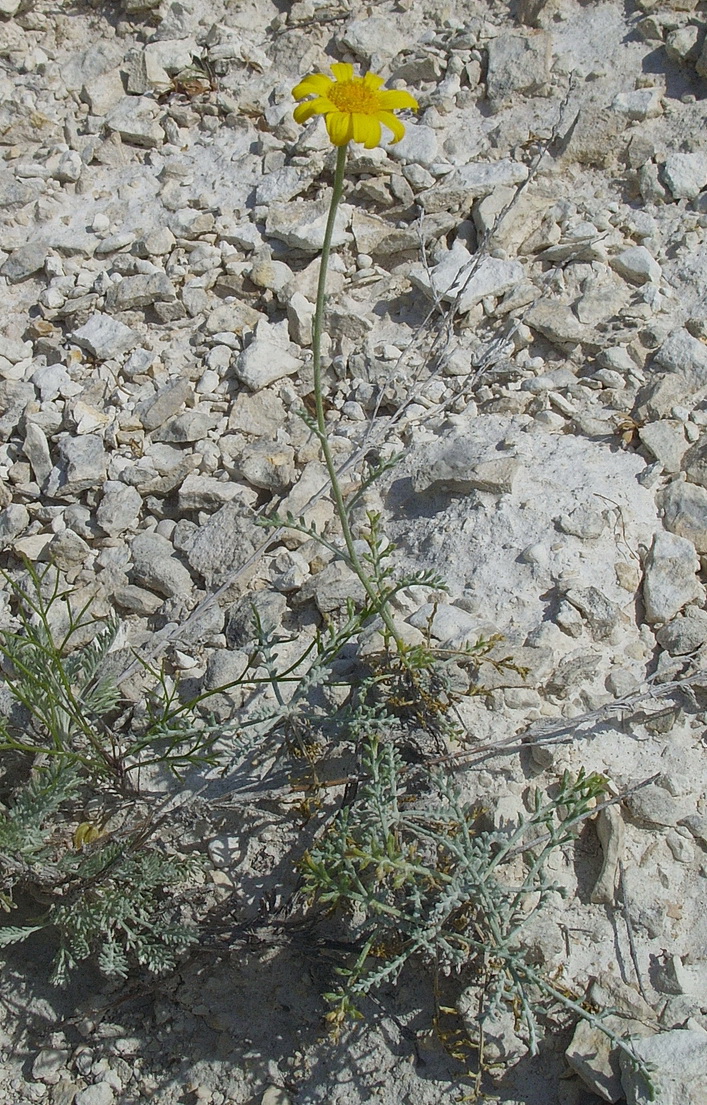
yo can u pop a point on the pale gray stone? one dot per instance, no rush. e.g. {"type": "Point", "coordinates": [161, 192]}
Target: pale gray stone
{"type": "Point", "coordinates": [140, 291]}
{"type": "Point", "coordinates": [224, 543]}
{"type": "Point", "coordinates": [189, 222]}
{"type": "Point", "coordinates": [169, 400]}
{"type": "Point", "coordinates": [84, 66]}
{"type": "Point", "coordinates": [694, 462]}
{"type": "Point", "coordinates": [557, 323]}
{"type": "Point", "coordinates": [582, 522]}
{"type": "Point", "coordinates": [137, 363]}
{"type": "Point", "coordinates": [332, 588]}
{"type": "Point", "coordinates": [36, 448]}
{"type": "Point", "coordinates": [137, 600]}
{"type": "Point", "coordinates": [156, 243]}
{"type": "Point", "coordinates": [82, 465]}
{"type": "Point", "coordinates": [685, 633]}
{"type": "Point", "coordinates": [281, 185]}
{"type": "Point", "coordinates": [49, 380]}
{"type": "Point", "coordinates": [186, 427]}
{"type": "Point", "coordinates": [119, 508]}
{"type": "Point", "coordinates": [600, 614]}
{"type": "Point", "coordinates": [301, 224]}
{"type": "Point", "coordinates": [656, 399]}
{"type": "Point", "coordinates": [657, 806]}
{"type": "Point", "coordinates": [67, 550]}
{"type": "Point", "coordinates": [670, 577]}
{"type": "Point", "coordinates": [377, 35]}
{"type": "Point", "coordinates": [104, 93]}
{"type": "Point", "coordinates": [681, 352]}
{"type": "Point", "coordinates": [518, 64]}
{"type": "Point", "coordinates": [25, 261]}
{"type": "Point", "coordinates": [265, 361]}
{"type": "Point", "coordinates": [637, 265]}
{"type": "Point", "coordinates": [684, 508]}
{"type": "Point", "coordinates": [206, 492]}
{"type": "Point", "coordinates": [678, 1064]}
{"type": "Point", "coordinates": [457, 464]}
{"type": "Point", "coordinates": [267, 465]}
{"type": "Point", "coordinates": [98, 1094]}
{"type": "Point", "coordinates": [683, 44]}
{"type": "Point", "coordinates": [14, 520]}
{"type": "Point", "coordinates": [164, 574]}
{"type": "Point", "coordinates": [48, 1065]}
{"type": "Point", "coordinates": [260, 414]}
{"type": "Point", "coordinates": [104, 337]}
{"type": "Point", "coordinates": [459, 278]}
{"type": "Point", "coordinates": [418, 146]}
{"type": "Point", "coordinates": [640, 104]}
{"type": "Point", "coordinates": [666, 440]}
{"type": "Point", "coordinates": [134, 119]}
{"type": "Point", "coordinates": [69, 168]}
{"type": "Point", "coordinates": [686, 174]}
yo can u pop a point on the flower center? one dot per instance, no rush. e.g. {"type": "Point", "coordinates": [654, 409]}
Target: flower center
{"type": "Point", "coordinates": [354, 97]}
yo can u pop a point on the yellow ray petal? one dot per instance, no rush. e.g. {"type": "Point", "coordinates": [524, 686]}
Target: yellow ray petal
{"type": "Point", "coordinates": [395, 99]}
{"type": "Point", "coordinates": [342, 71]}
{"type": "Point", "coordinates": [340, 127]}
{"type": "Point", "coordinates": [316, 84]}
{"type": "Point", "coordinates": [372, 80]}
{"type": "Point", "coordinates": [304, 112]}
{"type": "Point", "coordinates": [366, 129]}
{"type": "Point", "coordinates": [389, 120]}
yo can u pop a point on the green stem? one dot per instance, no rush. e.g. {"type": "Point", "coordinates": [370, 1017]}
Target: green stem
{"type": "Point", "coordinates": [378, 601]}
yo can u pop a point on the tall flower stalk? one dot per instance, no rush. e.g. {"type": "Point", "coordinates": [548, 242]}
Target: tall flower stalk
{"type": "Point", "coordinates": [354, 109]}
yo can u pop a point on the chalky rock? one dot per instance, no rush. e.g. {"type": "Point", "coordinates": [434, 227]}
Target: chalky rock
{"type": "Point", "coordinates": [119, 508]}
{"type": "Point", "coordinates": [140, 291]}
{"type": "Point", "coordinates": [377, 35]}
{"type": "Point", "coordinates": [637, 265]}
{"type": "Point", "coordinates": [156, 568]}
{"type": "Point", "coordinates": [677, 1061]}
{"type": "Point", "coordinates": [82, 464]}
{"type": "Point", "coordinates": [642, 103]}
{"type": "Point", "coordinates": [654, 805]}
{"type": "Point", "coordinates": [332, 588]}
{"type": "Point", "coordinates": [36, 449]}
{"type": "Point", "coordinates": [517, 64]}
{"type": "Point", "coordinates": [685, 633]}
{"type": "Point", "coordinates": [264, 361]}
{"type": "Point", "coordinates": [683, 353]}
{"type": "Point", "coordinates": [694, 462]}
{"type": "Point", "coordinates": [134, 119]}
{"type": "Point", "coordinates": [169, 400]}
{"type": "Point", "coordinates": [685, 512]}
{"type": "Point", "coordinates": [686, 174]}
{"type": "Point", "coordinates": [104, 93]}
{"type": "Point", "coordinates": [14, 520]}
{"type": "Point", "coordinates": [24, 262]}
{"type": "Point", "coordinates": [301, 224]}
{"type": "Point", "coordinates": [206, 493]}
{"type": "Point", "coordinates": [610, 830]}
{"type": "Point", "coordinates": [457, 464]}
{"type": "Point", "coordinates": [105, 337]}
{"type": "Point", "coordinates": [458, 275]}
{"type": "Point", "coordinates": [666, 440]}
{"type": "Point", "coordinates": [600, 614]}
{"type": "Point", "coordinates": [670, 581]}
{"type": "Point", "coordinates": [224, 543]}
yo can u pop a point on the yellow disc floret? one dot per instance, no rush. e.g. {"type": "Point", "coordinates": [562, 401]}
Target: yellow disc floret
{"type": "Point", "coordinates": [353, 107]}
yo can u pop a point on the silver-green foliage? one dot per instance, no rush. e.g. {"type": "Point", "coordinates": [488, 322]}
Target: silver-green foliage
{"type": "Point", "coordinates": [422, 877]}
{"type": "Point", "coordinates": [112, 898]}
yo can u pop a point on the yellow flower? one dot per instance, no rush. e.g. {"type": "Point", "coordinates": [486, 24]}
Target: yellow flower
{"type": "Point", "coordinates": [353, 107]}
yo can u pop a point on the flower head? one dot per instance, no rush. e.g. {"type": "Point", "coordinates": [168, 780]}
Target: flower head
{"type": "Point", "coordinates": [353, 107]}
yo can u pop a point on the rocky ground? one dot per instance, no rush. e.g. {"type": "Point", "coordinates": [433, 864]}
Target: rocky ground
{"type": "Point", "coordinates": [518, 304]}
